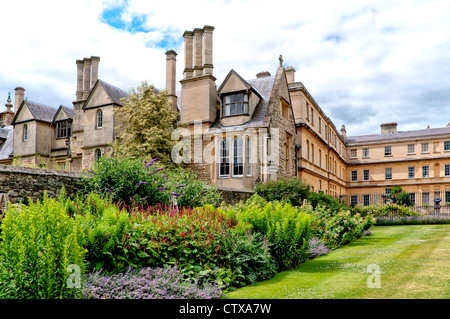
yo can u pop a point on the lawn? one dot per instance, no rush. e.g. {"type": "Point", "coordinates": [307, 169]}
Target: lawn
{"type": "Point", "coordinates": [414, 262]}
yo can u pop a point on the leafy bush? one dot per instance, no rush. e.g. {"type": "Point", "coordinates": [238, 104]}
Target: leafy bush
{"type": "Point", "coordinates": [290, 190]}
{"type": "Point", "coordinates": [38, 244]}
{"type": "Point", "coordinates": [199, 241]}
{"type": "Point", "coordinates": [384, 210]}
{"type": "Point", "coordinates": [285, 227]}
{"type": "Point", "coordinates": [316, 199]}
{"type": "Point", "coordinates": [338, 228]}
{"type": "Point", "coordinates": [135, 181]}
{"type": "Point", "coordinates": [147, 283]}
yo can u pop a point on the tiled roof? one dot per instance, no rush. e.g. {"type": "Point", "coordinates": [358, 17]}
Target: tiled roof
{"type": "Point", "coordinates": [114, 92]}
{"type": "Point", "coordinates": [401, 135]}
{"type": "Point", "coordinates": [6, 148]}
{"type": "Point", "coordinates": [68, 111]}
{"type": "Point", "coordinates": [40, 111]}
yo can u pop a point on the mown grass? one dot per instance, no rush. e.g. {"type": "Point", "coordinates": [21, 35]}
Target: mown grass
{"type": "Point", "coordinates": [414, 262]}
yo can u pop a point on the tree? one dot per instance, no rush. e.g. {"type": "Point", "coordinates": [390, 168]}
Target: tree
{"type": "Point", "coordinates": [145, 123]}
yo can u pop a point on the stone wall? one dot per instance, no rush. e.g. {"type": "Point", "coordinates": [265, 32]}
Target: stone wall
{"type": "Point", "coordinates": [231, 196]}
{"type": "Point", "coordinates": [20, 183]}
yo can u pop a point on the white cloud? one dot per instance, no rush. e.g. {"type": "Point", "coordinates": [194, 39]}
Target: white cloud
{"type": "Point", "coordinates": [365, 62]}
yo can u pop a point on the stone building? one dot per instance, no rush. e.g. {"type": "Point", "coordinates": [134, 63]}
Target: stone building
{"type": "Point", "coordinates": [236, 133]}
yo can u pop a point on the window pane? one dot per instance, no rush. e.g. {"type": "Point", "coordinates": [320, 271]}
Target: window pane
{"type": "Point", "coordinates": [249, 157]}
{"type": "Point", "coordinates": [224, 168]}
{"type": "Point", "coordinates": [227, 99]}
{"type": "Point", "coordinates": [233, 98]}
{"type": "Point", "coordinates": [239, 108]}
{"type": "Point", "coordinates": [226, 110]}
{"type": "Point", "coordinates": [237, 158]}
{"type": "Point", "coordinates": [233, 109]}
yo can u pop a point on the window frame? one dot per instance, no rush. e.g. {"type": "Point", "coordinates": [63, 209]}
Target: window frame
{"type": "Point", "coordinates": [248, 155]}
{"type": "Point", "coordinates": [67, 129]}
{"type": "Point", "coordinates": [424, 149]}
{"type": "Point", "coordinates": [427, 171]}
{"type": "Point", "coordinates": [238, 157]}
{"type": "Point", "coordinates": [99, 119]}
{"type": "Point", "coordinates": [353, 153]}
{"type": "Point", "coordinates": [386, 148]}
{"type": "Point", "coordinates": [224, 158]}
{"type": "Point", "coordinates": [388, 173]}
{"type": "Point", "coordinates": [413, 149]}
{"type": "Point", "coordinates": [365, 152]}
{"type": "Point", "coordinates": [446, 146]}
{"type": "Point", "coordinates": [354, 175]}
{"type": "Point", "coordinates": [366, 178]}
{"type": "Point", "coordinates": [245, 102]}
{"type": "Point", "coordinates": [25, 133]}
{"type": "Point", "coordinates": [411, 169]}
{"type": "Point", "coordinates": [446, 169]}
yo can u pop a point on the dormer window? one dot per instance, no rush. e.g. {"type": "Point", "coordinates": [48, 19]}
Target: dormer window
{"type": "Point", "coordinates": [235, 104]}
{"type": "Point", "coordinates": [63, 129]}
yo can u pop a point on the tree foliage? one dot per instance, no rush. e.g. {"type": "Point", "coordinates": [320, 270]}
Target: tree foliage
{"type": "Point", "coordinates": [146, 121]}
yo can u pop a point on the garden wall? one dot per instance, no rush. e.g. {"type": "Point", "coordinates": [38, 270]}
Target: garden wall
{"type": "Point", "coordinates": [20, 183]}
{"type": "Point", "coordinates": [232, 196]}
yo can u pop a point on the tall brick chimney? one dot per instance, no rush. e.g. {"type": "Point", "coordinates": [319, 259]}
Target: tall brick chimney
{"type": "Point", "coordinates": [20, 95]}
{"type": "Point", "coordinates": [171, 62]}
{"type": "Point", "coordinates": [198, 88]}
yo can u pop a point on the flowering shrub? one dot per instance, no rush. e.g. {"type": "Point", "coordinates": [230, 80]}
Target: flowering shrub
{"type": "Point", "coordinates": [147, 283]}
{"type": "Point", "coordinates": [200, 240]}
{"type": "Point", "coordinates": [136, 181]}
{"type": "Point", "coordinates": [337, 228]}
{"type": "Point", "coordinates": [316, 248]}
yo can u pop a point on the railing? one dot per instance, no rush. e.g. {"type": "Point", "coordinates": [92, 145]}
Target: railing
{"type": "Point", "coordinates": [421, 202]}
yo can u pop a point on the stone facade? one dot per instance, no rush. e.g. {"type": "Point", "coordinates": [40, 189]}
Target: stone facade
{"type": "Point", "coordinates": [20, 183]}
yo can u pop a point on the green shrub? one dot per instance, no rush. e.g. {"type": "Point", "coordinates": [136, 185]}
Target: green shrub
{"type": "Point", "coordinates": [392, 209]}
{"type": "Point", "coordinates": [38, 244]}
{"type": "Point", "coordinates": [316, 199]}
{"type": "Point", "coordinates": [337, 228]}
{"type": "Point", "coordinates": [135, 181]}
{"type": "Point", "coordinates": [284, 226]}
{"type": "Point", "coordinates": [290, 190]}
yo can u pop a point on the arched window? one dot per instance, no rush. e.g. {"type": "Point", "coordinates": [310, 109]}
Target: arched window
{"type": "Point", "coordinates": [224, 158]}
{"type": "Point", "coordinates": [237, 157]}
{"type": "Point", "coordinates": [249, 156]}
{"type": "Point", "coordinates": [98, 154]}
{"type": "Point", "coordinates": [25, 132]}
{"type": "Point", "coordinates": [99, 119]}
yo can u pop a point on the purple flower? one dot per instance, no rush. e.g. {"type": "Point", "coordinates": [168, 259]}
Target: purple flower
{"type": "Point", "coordinates": [93, 172]}
{"type": "Point", "coordinates": [109, 191]}
{"type": "Point", "coordinates": [162, 176]}
{"type": "Point", "coordinates": [140, 183]}
{"type": "Point", "coordinates": [176, 194]}
{"type": "Point", "coordinates": [180, 186]}
{"type": "Point", "coordinates": [203, 193]}
{"type": "Point", "coordinates": [162, 188]}
{"type": "Point", "coordinates": [145, 198]}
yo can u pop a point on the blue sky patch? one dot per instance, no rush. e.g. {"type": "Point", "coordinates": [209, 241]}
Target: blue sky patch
{"type": "Point", "coordinates": [114, 18]}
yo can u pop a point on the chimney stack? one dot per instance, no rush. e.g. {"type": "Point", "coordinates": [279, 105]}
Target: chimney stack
{"type": "Point", "coordinates": [290, 71]}
{"type": "Point", "coordinates": [87, 78]}
{"type": "Point", "coordinates": [20, 95]}
{"type": "Point", "coordinates": [171, 61]}
{"type": "Point", "coordinates": [388, 128]}
{"type": "Point", "coordinates": [188, 51]}
{"type": "Point", "coordinates": [198, 52]}
{"type": "Point", "coordinates": [80, 69]}
{"type": "Point", "coordinates": [208, 50]}
{"type": "Point", "coordinates": [343, 132]}
{"type": "Point", "coordinates": [94, 61]}
{"type": "Point", "coordinates": [263, 74]}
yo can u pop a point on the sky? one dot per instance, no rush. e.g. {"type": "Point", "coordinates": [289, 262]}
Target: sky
{"type": "Point", "coordinates": [364, 62]}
